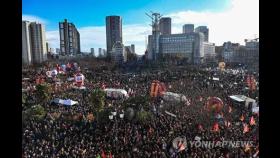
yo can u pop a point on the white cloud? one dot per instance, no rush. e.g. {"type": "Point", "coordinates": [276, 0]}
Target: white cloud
{"type": "Point", "coordinates": [33, 18]}
{"type": "Point", "coordinates": [239, 22]}
{"type": "Point", "coordinates": [95, 37]}
{"type": "Point", "coordinates": [235, 24]}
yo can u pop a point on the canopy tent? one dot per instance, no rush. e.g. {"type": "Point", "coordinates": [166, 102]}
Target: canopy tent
{"type": "Point", "coordinates": [246, 100]}
{"type": "Point", "coordinates": [116, 93]}
{"type": "Point", "coordinates": [238, 98]}
{"type": "Point", "coordinates": [170, 96]}
{"type": "Point", "coordinates": [67, 102]}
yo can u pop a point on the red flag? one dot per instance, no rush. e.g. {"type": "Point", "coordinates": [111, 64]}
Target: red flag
{"type": "Point", "coordinates": [252, 121]}
{"type": "Point", "coordinates": [242, 118]}
{"type": "Point", "coordinates": [246, 128]}
{"type": "Point", "coordinates": [216, 127]}
{"type": "Point", "coordinates": [103, 155]}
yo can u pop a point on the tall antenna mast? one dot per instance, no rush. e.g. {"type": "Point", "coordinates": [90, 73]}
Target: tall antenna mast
{"type": "Point", "coordinates": [155, 17]}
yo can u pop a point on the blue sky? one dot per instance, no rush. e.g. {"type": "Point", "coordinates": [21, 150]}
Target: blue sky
{"type": "Point", "coordinates": [89, 17]}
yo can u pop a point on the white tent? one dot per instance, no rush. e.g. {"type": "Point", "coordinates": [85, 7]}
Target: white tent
{"type": "Point", "coordinates": [238, 98]}
{"type": "Point", "coordinates": [246, 100]}
{"type": "Point", "coordinates": [67, 102]}
{"type": "Point", "coordinates": [170, 96]}
{"type": "Point", "coordinates": [116, 93]}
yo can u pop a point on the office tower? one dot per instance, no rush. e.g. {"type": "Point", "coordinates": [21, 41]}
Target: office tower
{"type": "Point", "coordinates": [57, 50]}
{"type": "Point", "coordinates": [38, 42]}
{"type": "Point", "coordinates": [69, 38]}
{"type": "Point", "coordinates": [118, 53]}
{"type": "Point", "coordinates": [165, 26]}
{"type": "Point", "coordinates": [189, 46]}
{"type": "Point", "coordinates": [188, 28]}
{"type": "Point", "coordinates": [99, 52]}
{"type": "Point", "coordinates": [104, 52]}
{"type": "Point", "coordinates": [33, 43]}
{"type": "Point", "coordinates": [47, 46]}
{"type": "Point", "coordinates": [132, 47]}
{"type": "Point", "coordinates": [26, 45]}
{"type": "Point", "coordinates": [92, 51]}
{"type": "Point", "coordinates": [113, 31]}
{"type": "Point", "coordinates": [204, 30]}
{"type": "Point", "coordinates": [209, 52]}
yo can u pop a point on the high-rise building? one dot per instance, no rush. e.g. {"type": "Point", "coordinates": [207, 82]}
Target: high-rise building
{"type": "Point", "coordinates": [26, 45]}
{"type": "Point", "coordinates": [128, 49]}
{"type": "Point", "coordinates": [57, 50]}
{"type": "Point", "coordinates": [47, 46]}
{"type": "Point", "coordinates": [118, 53]}
{"type": "Point", "coordinates": [69, 38]}
{"type": "Point", "coordinates": [204, 30]}
{"type": "Point", "coordinates": [104, 52]}
{"type": "Point", "coordinates": [189, 46]}
{"type": "Point", "coordinates": [113, 31]}
{"type": "Point", "coordinates": [33, 43]}
{"type": "Point", "coordinates": [236, 53]}
{"type": "Point", "coordinates": [99, 52]}
{"type": "Point", "coordinates": [209, 52]}
{"type": "Point", "coordinates": [132, 48]}
{"type": "Point", "coordinates": [38, 42]}
{"type": "Point", "coordinates": [92, 51]}
{"type": "Point", "coordinates": [188, 28]}
{"type": "Point", "coordinates": [165, 26]}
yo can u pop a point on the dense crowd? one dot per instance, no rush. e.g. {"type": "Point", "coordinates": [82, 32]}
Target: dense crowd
{"type": "Point", "coordinates": [124, 138]}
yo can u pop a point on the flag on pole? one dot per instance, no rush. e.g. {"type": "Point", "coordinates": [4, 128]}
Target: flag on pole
{"type": "Point", "coordinates": [216, 127]}
{"type": "Point", "coordinates": [252, 121]}
{"type": "Point", "coordinates": [245, 128]}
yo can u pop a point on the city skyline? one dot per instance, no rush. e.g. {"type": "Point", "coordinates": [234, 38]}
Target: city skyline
{"type": "Point", "coordinates": [227, 20]}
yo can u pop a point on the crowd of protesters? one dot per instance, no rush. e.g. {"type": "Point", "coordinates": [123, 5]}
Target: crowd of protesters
{"type": "Point", "coordinates": [124, 138]}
